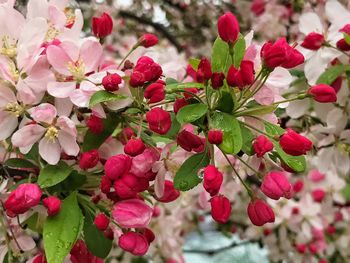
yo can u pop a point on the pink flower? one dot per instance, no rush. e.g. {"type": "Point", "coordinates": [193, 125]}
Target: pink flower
{"type": "Point", "coordinates": [10, 110]}
{"type": "Point", "coordinates": [24, 197]}
{"type": "Point", "coordinates": [73, 63]}
{"type": "Point", "coordinates": [132, 213]}
{"type": "Point", "coordinates": [170, 193]}
{"type": "Point", "coordinates": [58, 134]}
{"type": "Point", "coordinates": [117, 165]}
{"type": "Point", "coordinates": [143, 162]}
{"type": "Point", "coordinates": [135, 243]}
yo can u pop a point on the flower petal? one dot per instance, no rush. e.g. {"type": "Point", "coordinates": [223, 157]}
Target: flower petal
{"type": "Point", "coordinates": [28, 135]}
{"type": "Point", "coordinates": [61, 89]}
{"type": "Point", "coordinates": [90, 53]}
{"type": "Point", "coordinates": [50, 151]}
{"type": "Point", "coordinates": [59, 59]}
{"type": "Point", "coordinates": [8, 124]}
{"type": "Point", "coordinates": [68, 143]}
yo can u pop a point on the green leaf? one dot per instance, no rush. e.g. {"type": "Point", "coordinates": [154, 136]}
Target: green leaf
{"type": "Point", "coordinates": [93, 141]}
{"type": "Point", "coordinates": [104, 96]}
{"type": "Point", "coordinates": [331, 74]}
{"type": "Point", "coordinates": [347, 38]}
{"type": "Point", "coordinates": [232, 139]}
{"type": "Point", "coordinates": [194, 62]}
{"type": "Point", "coordinates": [247, 137]}
{"type": "Point", "coordinates": [273, 129]}
{"type": "Point", "coordinates": [191, 113]}
{"type": "Point", "coordinates": [95, 240]}
{"type": "Point", "coordinates": [297, 163]}
{"type": "Point", "coordinates": [226, 103]}
{"type": "Point", "coordinates": [220, 56]}
{"type": "Point", "coordinates": [259, 110]}
{"type": "Point", "coordinates": [19, 163]}
{"type": "Point", "coordinates": [169, 81]}
{"type": "Point", "coordinates": [62, 231]}
{"type": "Point", "coordinates": [71, 183]}
{"type": "Point", "coordinates": [187, 176]}
{"type": "Point", "coordinates": [346, 192]}
{"type": "Point", "coordinates": [180, 86]}
{"type": "Point", "coordinates": [175, 127]}
{"type": "Point", "coordinates": [51, 175]}
{"type": "Point", "coordinates": [238, 51]}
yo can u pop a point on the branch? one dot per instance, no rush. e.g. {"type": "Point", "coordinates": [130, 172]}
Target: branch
{"type": "Point", "coordinates": [215, 251]}
{"type": "Point", "coordinates": [157, 26]}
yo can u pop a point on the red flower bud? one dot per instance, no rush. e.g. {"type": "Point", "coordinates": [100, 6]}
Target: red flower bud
{"type": "Point", "coordinates": [126, 134]}
{"type": "Point", "coordinates": [111, 82]}
{"type": "Point", "coordinates": [108, 233]}
{"type": "Point", "coordinates": [301, 248]}
{"type": "Point", "coordinates": [188, 95]}
{"type": "Point", "coordinates": [276, 185]}
{"type": "Point", "coordinates": [345, 29]}
{"type": "Point", "coordinates": [155, 92]}
{"type": "Point", "coordinates": [148, 40]}
{"type": "Point", "coordinates": [280, 54]}
{"type": "Point", "coordinates": [189, 141]}
{"type": "Point", "coordinates": [20, 200]}
{"type": "Point", "coordinates": [148, 233]}
{"type": "Point", "coordinates": [134, 147]}
{"type": "Point", "coordinates": [106, 184]}
{"type": "Point", "coordinates": [102, 26]}
{"type": "Point", "coordinates": [220, 209]}
{"type": "Point", "coordinates": [170, 193]}
{"type": "Point", "coordinates": [342, 45]}
{"type": "Point", "coordinates": [137, 79]}
{"type": "Point", "coordinates": [262, 145]}
{"type": "Point", "coordinates": [258, 7]}
{"type": "Point", "coordinates": [95, 124]}
{"type": "Point", "coordinates": [298, 186]}
{"type": "Point", "coordinates": [217, 80]}
{"type": "Point", "coordinates": [117, 165]}
{"type": "Point", "coordinates": [135, 243]}
{"type": "Point", "coordinates": [241, 77]}
{"type": "Point", "coordinates": [80, 253]}
{"type": "Point", "coordinates": [204, 70]}
{"type": "Point", "coordinates": [260, 212]}
{"type": "Point", "coordinates": [89, 159]}
{"type": "Point", "coordinates": [39, 259]}
{"type": "Point", "coordinates": [313, 41]}
{"type": "Point", "coordinates": [215, 136]}
{"type": "Point", "coordinates": [128, 186]}
{"type": "Point", "coordinates": [159, 120]}
{"type": "Point", "coordinates": [179, 103]}
{"type": "Point", "coordinates": [323, 93]}
{"type": "Point", "coordinates": [101, 222]}
{"type": "Point", "coordinates": [53, 205]}
{"type": "Point", "coordinates": [295, 144]}
{"type": "Point", "coordinates": [228, 27]}
{"type": "Point", "coordinates": [212, 180]}
{"type": "Point", "coordinates": [318, 195]}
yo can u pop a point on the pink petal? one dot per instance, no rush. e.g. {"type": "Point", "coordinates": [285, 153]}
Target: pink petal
{"type": "Point", "coordinates": [81, 97]}
{"type": "Point", "coordinates": [59, 59]}
{"type": "Point", "coordinates": [64, 106]}
{"type": "Point", "coordinates": [68, 143]}
{"type": "Point", "coordinates": [67, 125]}
{"type": "Point", "coordinates": [6, 96]}
{"type": "Point", "coordinates": [28, 135]}
{"type": "Point", "coordinates": [90, 53]}
{"type": "Point", "coordinates": [71, 49]}
{"type": "Point", "coordinates": [50, 151]}
{"type": "Point", "coordinates": [8, 124]}
{"type": "Point", "coordinates": [44, 113]}
{"type": "Point", "coordinates": [61, 89]}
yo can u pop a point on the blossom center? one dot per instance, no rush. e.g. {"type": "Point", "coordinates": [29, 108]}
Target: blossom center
{"type": "Point", "coordinates": [51, 133]}
{"type": "Point", "coordinates": [7, 49]}
{"type": "Point", "coordinates": [14, 108]}
{"type": "Point", "coordinates": [77, 70]}
{"type": "Point", "coordinates": [51, 33]}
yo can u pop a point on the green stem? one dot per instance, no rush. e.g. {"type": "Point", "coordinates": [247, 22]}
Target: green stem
{"type": "Point", "coordinates": [248, 165]}
{"type": "Point", "coordinates": [255, 129]}
{"type": "Point", "coordinates": [249, 190]}
{"type": "Point", "coordinates": [300, 97]}
{"type": "Point", "coordinates": [127, 55]}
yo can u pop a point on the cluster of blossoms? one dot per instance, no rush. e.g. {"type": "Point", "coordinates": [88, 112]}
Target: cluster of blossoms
{"type": "Point", "coordinates": [94, 149]}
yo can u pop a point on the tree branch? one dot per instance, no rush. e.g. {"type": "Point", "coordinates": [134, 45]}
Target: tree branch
{"type": "Point", "coordinates": [157, 26]}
